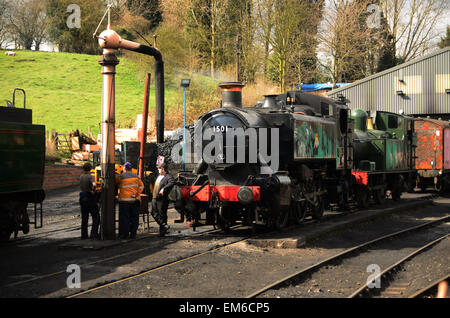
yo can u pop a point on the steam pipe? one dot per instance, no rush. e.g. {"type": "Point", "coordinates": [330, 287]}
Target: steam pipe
{"type": "Point", "coordinates": [109, 39]}
{"type": "Point", "coordinates": [143, 136]}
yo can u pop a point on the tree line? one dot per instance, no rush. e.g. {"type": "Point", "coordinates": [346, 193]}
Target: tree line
{"type": "Point", "coordinates": [287, 42]}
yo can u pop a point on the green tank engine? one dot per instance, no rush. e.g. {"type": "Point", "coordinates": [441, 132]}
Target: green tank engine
{"type": "Point", "coordinates": [383, 155]}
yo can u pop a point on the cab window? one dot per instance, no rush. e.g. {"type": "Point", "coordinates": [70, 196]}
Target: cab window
{"type": "Point", "coordinates": [392, 122]}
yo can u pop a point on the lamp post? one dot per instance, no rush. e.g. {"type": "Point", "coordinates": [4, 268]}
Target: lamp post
{"type": "Point", "coordinates": [185, 82]}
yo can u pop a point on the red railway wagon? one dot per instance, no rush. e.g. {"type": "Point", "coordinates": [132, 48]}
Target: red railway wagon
{"type": "Point", "coordinates": [433, 153]}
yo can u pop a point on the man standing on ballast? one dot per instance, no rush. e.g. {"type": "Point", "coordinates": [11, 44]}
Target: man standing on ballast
{"type": "Point", "coordinates": [160, 201]}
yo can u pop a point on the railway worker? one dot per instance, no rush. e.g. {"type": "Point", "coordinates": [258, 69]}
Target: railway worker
{"type": "Point", "coordinates": [88, 203]}
{"type": "Point", "coordinates": [160, 201]}
{"type": "Point", "coordinates": [129, 187]}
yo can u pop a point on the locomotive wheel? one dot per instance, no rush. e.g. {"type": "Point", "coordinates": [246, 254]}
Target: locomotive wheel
{"type": "Point", "coordinates": [221, 219]}
{"type": "Point", "coordinates": [26, 229]}
{"type": "Point", "coordinates": [298, 212]}
{"type": "Point", "coordinates": [22, 220]}
{"type": "Point", "coordinates": [438, 185]}
{"type": "Point", "coordinates": [318, 209]}
{"type": "Point", "coordinates": [397, 188]}
{"type": "Point", "coordinates": [423, 187]}
{"type": "Point", "coordinates": [282, 219]}
{"type": "Point", "coordinates": [5, 235]}
{"type": "Point", "coordinates": [5, 225]}
{"type": "Point", "coordinates": [380, 196]}
{"type": "Point", "coordinates": [396, 193]}
{"type": "Point", "coordinates": [362, 197]}
{"type": "Point", "coordinates": [343, 201]}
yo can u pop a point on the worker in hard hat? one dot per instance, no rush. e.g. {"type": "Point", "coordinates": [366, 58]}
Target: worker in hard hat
{"type": "Point", "coordinates": [129, 189]}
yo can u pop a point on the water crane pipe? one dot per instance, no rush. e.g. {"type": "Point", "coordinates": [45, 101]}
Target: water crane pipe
{"type": "Point", "coordinates": [109, 39]}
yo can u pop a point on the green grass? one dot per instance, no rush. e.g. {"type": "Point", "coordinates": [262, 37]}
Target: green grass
{"type": "Point", "coordinates": [64, 89]}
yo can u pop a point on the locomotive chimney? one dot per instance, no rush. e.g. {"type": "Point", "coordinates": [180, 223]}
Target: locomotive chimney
{"type": "Point", "coordinates": [231, 94]}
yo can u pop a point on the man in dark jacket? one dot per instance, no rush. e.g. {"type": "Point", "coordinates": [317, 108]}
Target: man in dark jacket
{"type": "Point", "coordinates": [88, 203]}
{"type": "Point", "coordinates": [160, 201]}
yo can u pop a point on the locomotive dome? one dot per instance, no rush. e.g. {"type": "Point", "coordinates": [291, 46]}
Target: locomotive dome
{"type": "Point", "coordinates": [360, 117]}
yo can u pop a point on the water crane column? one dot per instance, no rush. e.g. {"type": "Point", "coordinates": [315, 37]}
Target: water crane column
{"type": "Point", "coordinates": [108, 61]}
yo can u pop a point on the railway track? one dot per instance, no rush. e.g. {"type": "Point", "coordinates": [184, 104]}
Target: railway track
{"type": "Point", "coordinates": [35, 236]}
{"type": "Point", "coordinates": [158, 268]}
{"type": "Point", "coordinates": [431, 289]}
{"type": "Point", "coordinates": [29, 238]}
{"type": "Point", "coordinates": [366, 292]}
{"type": "Point", "coordinates": [154, 269]}
{"type": "Point", "coordinates": [283, 281]}
{"type": "Point", "coordinates": [41, 234]}
{"type": "Point", "coordinates": [115, 257]}
{"type": "Point", "coordinates": [292, 279]}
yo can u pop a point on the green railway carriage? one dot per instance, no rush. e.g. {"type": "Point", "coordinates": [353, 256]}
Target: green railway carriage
{"type": "Point", "coordinates": [22, 162]}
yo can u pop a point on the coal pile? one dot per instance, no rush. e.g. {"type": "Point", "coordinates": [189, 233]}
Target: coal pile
{"type": "Point", "coordinates": [165, 149]}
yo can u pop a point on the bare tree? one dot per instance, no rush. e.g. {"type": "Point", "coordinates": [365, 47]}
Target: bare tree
{"type": "Point", "coordinates": [41, 22]}
{"type": "Point", "coordinates": [445, 41]}
{"type": "Point", "coordinates": [303, 62]}
{"type": "Point", "coordinates": [290, 18]}
{"type": "Point", "coordinates": [244, 47]}
{"type": "Point", "coordinates": [346, 40]}
{"type": "Point", "coordinates": [4, 32]}
{"type": "Point", "coordinates": [205, 25]}
{"type": "Point", "coordinates": [287, 31]}
{"type": "Point", "coordinates": [413, 24]}
{"type": "Point", "coordinates": [27, 21]}
{"type": "Point", "coordinates": [265, 22]}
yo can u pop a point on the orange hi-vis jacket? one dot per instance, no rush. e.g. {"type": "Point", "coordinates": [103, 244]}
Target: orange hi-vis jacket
{"type": "Point", "coordinates": [130, 187]}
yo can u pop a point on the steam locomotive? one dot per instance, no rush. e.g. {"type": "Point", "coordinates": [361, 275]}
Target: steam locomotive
{"type": "Point", "coordinates": [22, 162]}
{"type": "Point", "coordinates": [290, 156]}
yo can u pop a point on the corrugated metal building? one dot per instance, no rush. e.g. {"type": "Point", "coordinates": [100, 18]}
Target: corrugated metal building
{"type": "Point", "coordinates": [418, 87]}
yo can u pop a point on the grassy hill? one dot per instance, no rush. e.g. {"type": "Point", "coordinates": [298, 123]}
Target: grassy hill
{"type": "Point", "coordinates": [64, 90]}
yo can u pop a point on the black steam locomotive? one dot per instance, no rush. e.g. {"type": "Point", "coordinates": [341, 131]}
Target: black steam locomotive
{"type": "Point", "coordinates": [288, 157]}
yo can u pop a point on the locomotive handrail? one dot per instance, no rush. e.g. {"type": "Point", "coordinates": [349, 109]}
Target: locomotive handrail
{"type": "Point", "coordinates": [14, 97]}
{"type": "Point", "coordinates": [199, 189]}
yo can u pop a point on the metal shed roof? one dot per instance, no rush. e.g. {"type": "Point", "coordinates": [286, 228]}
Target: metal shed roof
{"type": "Point", "coordinates": [418, 87]}
{"type": "Point", "coordinates": [390, 70]}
